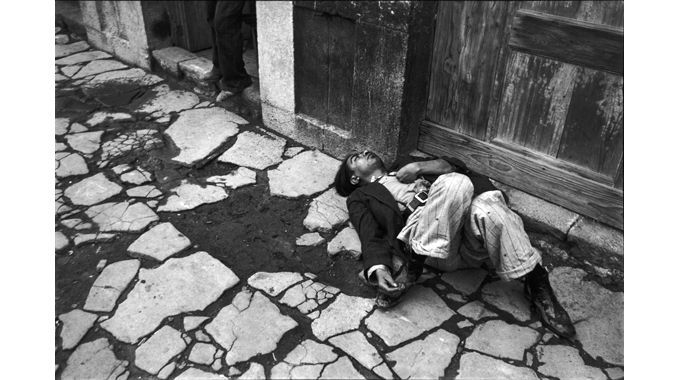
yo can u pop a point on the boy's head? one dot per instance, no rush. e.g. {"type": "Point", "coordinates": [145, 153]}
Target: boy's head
{"type": "Point", "coordinates": [357, 169]}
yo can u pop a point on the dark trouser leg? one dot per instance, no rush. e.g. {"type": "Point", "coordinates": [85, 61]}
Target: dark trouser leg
{"type": "Point", "coordinates": [228, 45]}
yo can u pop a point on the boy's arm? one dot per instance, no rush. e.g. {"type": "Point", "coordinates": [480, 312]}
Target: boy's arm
{"type": "Point", "coordinates": [409, 172]}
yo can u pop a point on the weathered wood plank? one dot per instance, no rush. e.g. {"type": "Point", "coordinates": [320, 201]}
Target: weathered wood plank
{"type": "Point", "coordinates": [593, 131]}
{"type": "Point", "coordinates": [311, 62]}
{"type": "Point", "coordinates": [534, 176]}
{"type": "Point", "coordinates": [619, 177]}
{"type": "Point", "coordinates": [341, 71]}
{"type": "Point", "coordinates": [564, 39]}
{"type": "Point", "coordinates": [599, 12]}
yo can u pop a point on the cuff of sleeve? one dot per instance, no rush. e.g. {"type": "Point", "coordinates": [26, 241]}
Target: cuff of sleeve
{"type": "Point", "coordinates": [373, 269]}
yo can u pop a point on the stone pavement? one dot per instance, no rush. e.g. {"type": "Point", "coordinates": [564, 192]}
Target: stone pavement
{"type": "Point", "coordinates": [193, 244]}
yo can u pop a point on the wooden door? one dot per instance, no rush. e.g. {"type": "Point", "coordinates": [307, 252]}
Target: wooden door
{"type": "Point", "coordinates": [531, 94]}
{"type": "Point", "coordinates": [190, 28]}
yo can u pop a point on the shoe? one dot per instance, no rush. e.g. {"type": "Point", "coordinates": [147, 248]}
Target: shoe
{"type": "Point", "coordinates": [542, 298]}
{"type": "Point", "coordinates": [214, 75]}
{"type": "Point", "coordinates": [385, 301]}
{"type": "Point", "coordinates": [234, 89]}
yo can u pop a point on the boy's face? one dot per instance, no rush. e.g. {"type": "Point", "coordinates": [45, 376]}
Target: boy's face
{"type": "Point", "coordinates": [364, 164]}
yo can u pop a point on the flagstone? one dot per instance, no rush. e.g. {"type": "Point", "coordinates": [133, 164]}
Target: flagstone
{"type": "Point", "coordinates": [346, 240]}
{"type": "Point", "coordinates": [159, 242]}
{"type": "Point", "coordinates": [342, 368]}
{"type": "Point", "coordinates": [427, 358]}
{"type": "Point", "coordinates": [501, 339]}
{"type": "Point", "coordinates": [167, 371]}
{"type": "Point", "coordinates": [355, 345]}
{"type": "Point", "coordinates": [100, 117]}
{"type": "Point", "coordinates": [475, 310]}
{"type": "Point", "coordinates": [82, 57]}
{"type": "Point", "coordinates": [192, 322]}
{"type": "Point", "coordinates": [344, 314]}
{"type": "Point", "coordinates": [130, 76]}
{"type": "Point", "coordinates": [87, 142]}
{"type": "Point", "coordinates": [60, 241]}
{"type": "Point", "coordinates": [255, 150]}
{"type": "Point", "coordinates": [122, 168]}
{"type": "Point", "coordinates": [564, 362]}
{"type": "Point", "coordinates": [60, 78]}
{"type": "Point", "coordinates": [136, 177]}
{"type": "Point", "coordinates": [76, 324]}
{"type": "Point", "coordinates": [326, 211]}
{"type": "Point", "coordinates": [100, 237]}
{"type": "Point", "coordinates": [76, 223]}
{"type": "Point", "coordinates": [305, 361]}
{"type": "Point", "coordinates": [466, 281]}
{"type": "Point", "coordinates": [274, 283]}
{"type": "Point", "coordinates": [61, 39]}
{"type": "Point", "coordinates": [58, 147]}
{"type": "Point", "coordinates": [305, 174]}
{"type": "Point", "coordinates": [311, 239]}
{"type": "Point", "coordinates": [254, 372]}
{"type": "Point", "coordinates": [141, 139]}
{"type": "Point", "coordinates": [190, 195]}
{"type": "Point", "coordinates": [156, 352]}
{"type": "Point", "coordinates": [122, 216]}
{"type": "Point", "coordinates": [92, 190]}
{"type": "Point", "coordinates": [77, 128]}
{"type": "Point", "coordinates": [145, 191]}
{"type": "Point", "coordinates": [98, 67]}
{"type": "Point", "coordinates": [199, 374]}
{"type": "Point", "coordinates": [64, 50]}
{"type": "Point", "coordinates": [69, 164]}
{"type": "Point", "coordinates": [95, 360]}
{"type": "Point", "coordinates": [508, 296]}
{"type": "Point", "coordinates": [61, 125]}
{"type": "Point", "coordinates": [167, 101]}
{"type": "Point", "coordinates": [476, 366]}
{"type": "Point", "coordinates": [110, 284]}
{"type": "Point", "coordinates": [203, 353]}
{"type": "Point", "coordinates": [308, 295]}
{"type": "Point", "coordinates": [69, 71]}
{"type": "Point", "coordinates": [238, 178]}
{"type": "Point", "coordinates": [292, 151]}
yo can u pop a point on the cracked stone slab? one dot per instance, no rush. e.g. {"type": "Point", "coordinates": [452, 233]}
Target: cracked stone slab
{"type": "Point", "coordinates": [355, 345]}
{"type": "Point", "coordinates": [125, 143]}
{"type": "Point", "coordinates": [199, 132]}
{"type": "Point", "coordinates": [292, 151]}
{"type": "Point", "coordinates": [419, 310]}
{"type": "Point", "coordinates": [159, 243]}
{"type": "Point", "coordinates": [508, 296]}
{"type": "Point", "coordinates": [274, 283]}
{"type": "Point", "coordinates": [311, 239]}
{"type": "Point", "coordinates": [199, 374]}
{"type": "Point", "coordinates": [100, 117]}
{"type": "Point", "coordinates": [254, 372]}
{"type": "Point", "coordinates": [61, 125]}
{"type": "Point", "coordinates": [188, 196]}
{"type": "Point", "coordinates": [312, 172]}
{"type": "Point", "coordinates": [122, 216]}
{"type": "Point", "coordinates": [101, 237]}
{"type": "Point", "coordinates": [306, 361]}
{"type": "Point", "coordinates": [61, 39]}
{"type": "Point", "coordinates": [344, 314]}
{"type": "Point", "coordinates": [177, 286]}
{"type": "Point", "coordinates": [92, 190]}
{"type": "Point", "coordinates": [326, 211]}
{"type": "Point", "coordinates": [564, 362]}
{"type": "Point", "coordinates": [427, 358]}
{"type": "Point", "coordinates": [234, 180]}
{"type": "Point", "coordinates": [110, 284]}
{"type": "Point", "coordinates": [87, 142]}
{"type": "Point", "coordinates": [478, 366]}
{"type": "Point", "coordinates": [346, 240]}
{"type": "Point", "coordinates": [597, 312]}
{"type": "Point", "coordinates": [249, 326]}
{"type": "Point", "coordinates": [167, 101]}
{"type": "Point", "coordinates": [145, 191]}
{"type": "Point", "coordinates": [475, 310]}
{"type": "Point", "coordinates": [64, 50]}
{"type": "Point", "coordinates": [192, 322]}
{"type": "Point", "coordinates": [501, 339]}
{"type": "Point", "coordinates": [202, 353]}
{"type": "Point", "coordinates": [95, 360]}
{"type": "Point", "coordinates": [255, 150]}
{"type": "Point", "coordinates": [82, 57]}
{"type": "Point", "coordinates": [69, 164]}
{"type": "Point", "coordinates": [135, 76]}
{"type": "Point", "coordinates": [76, 323]}
{"type": "Point", "coordinates": [167, 371]}
{"type": "Point", "coordinates": [136, 177]}
{"type": "Point", "coordinates": [98, 67]}
{"type": "Point", "coordinates": [309, 295]}
{"type": "Point", "coordinates": [122, 168]}
{"type": "Point", "coordinates": [466, 281]}
{"type": "Point", "coordinates": [157, 351]}
{"type": "Point", "coordinates": [341, 369]}
{"type": "Point", "coordinates": [70, 70]}
{"type": "Point", "coordinates": [77, 128]}
{"type": "Point", "coordinates": [60, 241]}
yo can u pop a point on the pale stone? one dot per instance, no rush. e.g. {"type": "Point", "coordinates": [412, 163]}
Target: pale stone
{"type": "Point", "coordinates": [292, 151]}
{"type": "Point", "coordinates": [101, 237]}
{"type": "Point", "coordinates": [75, 223]}
{"type": "Point", "coordinates": [311, 239]}
{"type": "Point", "coordinates": [110, 284]}
{"type": "Point", "coordinates": [564, 362]}
{"type": "Point", "coordinates": [614, 373]}
{"type": "Point", "coordinates": [498, 338]}
{"type": "Point", "coordinates": [123, 216]}
{"type": "Point", "coordinates": [344, 314]}
{"type": "Point", "coordinates": [255, 150]}
{"type": "Point", "coordinates": [203, 104]}
{"type": "Point", "coordinates": [61, 125]}
{"type": "Point", "coordinates": [192, 322]}
{"type": "Point", "coordinates": [58, 147]}
{"type": "Point", "coordinates": [77, 128]}
{"type": "Point", "coordinates": [254, 372]}
{"type": "Point", "coordinates": [177, 286]}
{"type": "Point", "coordinates": [305, 361]}
{"type": "Point", "coordinates": [199, 132]}
{"type": "Point", "coordinates": [160, 242]}
{"type": "Point", "coordinates": [142, 139]}
{"type": "Point", "coordinates": [425, 359]}
{"type": "Point", "coordinates": [477, 366]}
{"type": "Point", "coordinates": [475, 310]}
{"type": "Point", "coordinates": [254, 330]}
{"type": "Point", "coordinates": [92, 190]}
{"type": "Point", "coordinates": [94, 360]}
{"type": "Point", "coordinates": [64, 50]}
{"type": "Point", "coordinates": [305, 174]}
{"type": "Point", "coordinates": [87, 142]}
{"type": "Point", "coordinates": [60, 241]}
{"type": "Point", "coordinates": [98, 67]}
{"type": "Point", "coordinates": [464, 324]}
{"type": "Point", "coordinates": [217, 366]}
{"type": "Point", "coordinates": [307, 296]}
{"type": "Point", "coordinates": [466, 281]}
{"type": "Point", "coordinates": [82, 57]}
{"type": "Point", "coordinates": [70, 70]}
{"type": "Point", "coordinates": [76, 324]}
{"type": "Point", "coordinates": [326, 211]}
{"type": "Point", "coordinates": [101, 264]}
{"type": "Point", "coordinates": [198, 374]}
{"type": "Point", "coordinates": [190, 195]}
{"type": "Point", "coordinates": [238, 178]}
{"type": "Point", "coordinates": [100, 117]}
{"type": "Point", "coordinates": [122, 168]}
{"type": "Point", "coordinates": [508, 296]}
{"type": "Point", "coordinates": [419, 310]}
{"type": "Point", "coordinates": [596, 311]}
{"type": "Point", "coordinates": [166, 371]}
{"type": "Point", "coordinates": [169, 58]}
{"type": "Point", "coordinates": [355, 344]}
{"type": "Point", "coordinates": [341, 369]}
{"type": "Point", "coordinates": [136, 177]}
{"type": "Point", "coordinates": [166, 102]}
{"type": "Point", "coordinates": [60, 78]}
{"type": "Point", "coordinates": [152, 204]}
{"type": "Point", "coordinates": [202, 353]}
{"type": "Point", "coordinates": [274, 283]}
{"type": "Point", "coordinates": [146, 191]}
{"type": "Point", "coordinates": [197, 69]}
{"type": "Point", "coordinates": [202, 337]}
{"type": "Point", "coordinates": [69, 164]}
{"type": "Point", "coordinates": [157, 351]}
{"type": "Point", "coordinates": [346, 240]}
{"type": "Point", "coordinates": [60, 207]}
{"type": "Point", "coordinates": [135, 76]}
{"type": "Point", "coordinates": [61, 39]}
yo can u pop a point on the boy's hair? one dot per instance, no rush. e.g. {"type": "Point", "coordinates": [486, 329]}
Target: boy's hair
{"type": "Point", "coordinates": [343, 184]}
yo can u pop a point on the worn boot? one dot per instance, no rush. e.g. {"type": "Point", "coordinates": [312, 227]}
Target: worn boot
{"type": "Point", "coordinates": [539, 292]}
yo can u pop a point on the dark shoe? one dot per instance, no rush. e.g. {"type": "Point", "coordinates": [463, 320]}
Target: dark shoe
{"type": "Point", "coordinates": [214, 75]}
{"type": "Point", "coordinates": [386, 301]}
{"type": "Point", "coordinates": [553, 316]}
{"type": "Point", "coordinates": [232, 88]}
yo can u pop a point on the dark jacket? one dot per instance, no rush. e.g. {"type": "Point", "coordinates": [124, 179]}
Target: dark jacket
{"type": "Point", "coordinates": [377, 218]}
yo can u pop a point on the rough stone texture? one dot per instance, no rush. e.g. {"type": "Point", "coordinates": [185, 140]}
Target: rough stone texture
{"type": "Point", "coordinates": [98, 67]}
{"type": "Point", "coordinates": [238, 178]}
{"type": "Point", "coordinates": [596, 238]}
{"type": "Point", "coordinates": [249, 327]}
{"type": "Point", "coordinates": [110, 284]}
{"type": "Point", "coordinates": [254, 372]}
{"type": "Point", "coordinates": [313, 171]}
{"type": "Point", "coordinates": [169, 58]}
{"type": "Point", "coordinates": [77, 128]}
{"type": "Point", "coordinates": [166, 101]}
{"type": "Point", "coordinates": [136, 177]}
{"type": "Point", "coordinates": [64, 50]}
{"type": "Point", "coordinates": [564, 362]}
{"type": "Point", "coordinates": [355, 344]}
{"type": "Point", "coordinates": [477, 366]}
{"type": "Point", "coordinates": [135, 76]}
{"type": "Point", "coordinates": [597, 312]}
{"type": "Point", "coordinates": [92, 190]}
{"type": "Point", "coordinates": [199, 132]}
{"type": "Point", "coordinates": [255, 150]}
{"type": "Point", "coordinates": [508, 296]}
{"type": "Point", "coordinates": [70, 70]}
{"type": "Point", "coordinates": [76, 324]}
{"type": "Point", "coordinates": [425, 359]}
{"type": "Point", "coordinates": [61, 125]}
{"type": "Point", "coordinates": [87, 142]}
{"type": "Point", "coordinates": [292, 151]}
{"type": "Point", "coordinates": [122, 168]}
{"type": "Point", "coordinates": [418, 311]}
{"type": "Point", "coordinates": [274, 283]}
{"type": "Point", "coordinates": [202, 353]}
{"type": "Point", "coordinates": [126, 143]}
{"type": "Point", "coordinates": [69, 164]}
{"type": "Point", "coordinates": [190, 195]}
{"type": "Point", "coordinates": [123, 216]}
{"type": "Point", "coordinates": [167, 371]}
{"type": "Point", "coordinates": [60, 241]}
{"type": "Point", "coordinates": [475, 310]}
{"type": "Point", "coordinates": [498, 338]}
{"type": "Point", "coordinates": [308, 295]}
{"type": "Point", "coordinates": [341, 369]}
{"type": "Point", "coordinates": [177, 286]}
{"type": "Point", "coordinates": [160, 242]}
{"type": "Point", "coordinates": [326, 211]}
{"type": "Point", "coordinates": [81, 239]}
{"type": "Point", "coordinates": [344, 314]}
{"type": "Point", "coordinates": [94, 360]}
{"type": "Point", "coordinates": [146, 191]}
{"type": "Point", "coordinates": [192, 322]}
{"type": "Point", "coordinates": [157, 351]}
{"type": "Point", "coordinates": [614, 373]}
{"type": "Point", "coordinates": [197, 69]}
{"type": "Point", "coordinates": [82, 57]}
{"type": "Point", "coordinates": [311, 239]}
{"type": "Point", "coordinates": [59, 78]}
{"type": "Point", "coordinates": [305, 361]}
{"type": "Point", "coordinates": [202, 337]}
{"type": "Point", "coordinates": [61, 39]}
{"type": "Point", "coordinates": [466, 281]}
{"type": "Point", "coordinates": [100, 117]}
{"type": "Point", "coordinates": [199, 374]}
{"type": "Point", "coordinates": [345, 241]}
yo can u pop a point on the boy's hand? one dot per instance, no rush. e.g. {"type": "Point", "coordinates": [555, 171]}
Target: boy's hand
{"type": "Point", "coordinates": [408, 173]}
{"type": "Point", "coordinates": [386, 283]}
